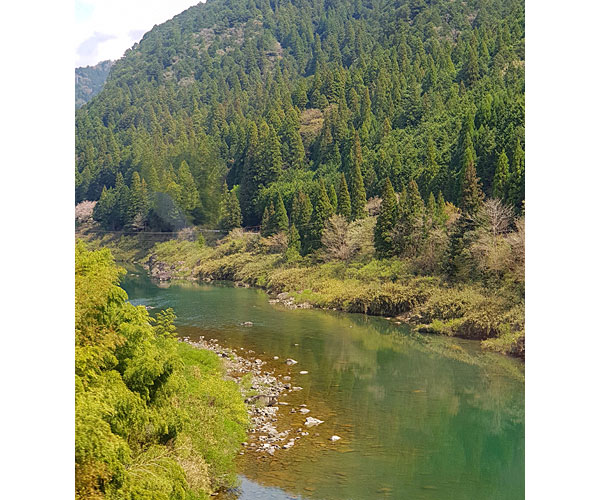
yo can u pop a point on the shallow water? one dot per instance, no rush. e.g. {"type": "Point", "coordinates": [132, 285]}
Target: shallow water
{"type": "Point", "coordinates": [420, 417]}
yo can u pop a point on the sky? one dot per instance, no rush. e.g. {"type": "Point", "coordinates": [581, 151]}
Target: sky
{"type": "Point", "coordinates": [105, 29]}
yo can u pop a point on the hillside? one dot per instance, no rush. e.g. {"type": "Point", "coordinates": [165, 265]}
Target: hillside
{"type": "Point", "coordinates": [372, 132]}
{"type": "Point", "coordinates": [89, 81]}
{"type": "Point", "coordinates": [229, 84]}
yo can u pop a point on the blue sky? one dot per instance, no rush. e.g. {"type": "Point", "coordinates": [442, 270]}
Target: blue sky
{"type": "Point", "coordinates": [105, 29]}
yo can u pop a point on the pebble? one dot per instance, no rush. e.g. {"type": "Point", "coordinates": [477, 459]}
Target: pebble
{"type": "Point", "coordinates": [290, 362]}
{"type": "Point", "coordinates": [303, 372]}
{"type": "Point", "coordinates": [334, 438]}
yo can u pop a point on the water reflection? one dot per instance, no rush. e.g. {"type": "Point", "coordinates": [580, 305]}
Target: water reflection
{"type": "Point", "coordinates": [420, 417]}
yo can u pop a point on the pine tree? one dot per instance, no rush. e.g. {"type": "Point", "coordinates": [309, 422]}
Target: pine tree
{"type": "Point", "coordinates": [121, 206]}
{"type": "Point", "coordinates": [471, 195]}
{"type": "Point", "coordinates": [280, 220]}
{"type": "Point", "coordinates": [344, 205]}
{"type": "Point", "coordinates": [322, 212]}
{"type": "Point", "coordinates": [189, 194]}
{"type": "Point", "coordinates": [411, 220]}
{"type": "Point", "coordinates": [386, 221]}
{"type": "Point", "coordinates": [103, 211]}
{"type": "Point", "coordinates": [266, 226]}
{"type": "Point", "coordinates": [231, 214]}
{"type": "Point", "coordinates": [358, 195]}
{"type": "Point", "coordinates": [501, 176]}
{"type": "Point", "coordinates": [301, 216]}
{"type": "Point", "coordinates": [332, 197]}
{"type": "Point", "coordinates": [138, 207]}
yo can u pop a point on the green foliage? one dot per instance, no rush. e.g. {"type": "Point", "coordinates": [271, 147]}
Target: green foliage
{"type": "Point", "coordinates": [142, 398]}
{"type": "Point", "coordinates": [400, 92]}
{"type": "Point", "coordinates": [231, 214]}
{"type": "Point", "coordinates": [501, 176]}
{"type": "Point", "coordinates": [386, 222]}
{"type": "Point", "coordinates": [344, 206]}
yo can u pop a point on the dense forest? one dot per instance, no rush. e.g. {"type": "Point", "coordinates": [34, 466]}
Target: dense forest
{"type": "Point", "coordinates": [89, 81]}
{"type": "Point", "coordinates": [343, 130]}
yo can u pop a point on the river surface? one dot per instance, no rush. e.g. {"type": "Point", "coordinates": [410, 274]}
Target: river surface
{"type": "Point", "coordinates": [420, 417]}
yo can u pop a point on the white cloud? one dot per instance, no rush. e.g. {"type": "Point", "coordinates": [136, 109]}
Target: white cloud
{"type": "Point", "coordinates": [105, 29]}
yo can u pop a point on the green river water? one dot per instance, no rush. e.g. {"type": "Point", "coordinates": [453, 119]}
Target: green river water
{"type": "Point", "coordinates": [420, 417]}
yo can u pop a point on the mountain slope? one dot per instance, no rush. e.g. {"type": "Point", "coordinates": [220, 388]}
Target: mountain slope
{"type": "Point", "coordinates": [89, 81]}
{"type": "Point", "coordinates": [274, 96]}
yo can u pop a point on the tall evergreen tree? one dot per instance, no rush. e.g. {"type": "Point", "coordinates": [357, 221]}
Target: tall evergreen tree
{"type": "Point", "coordinates": [344, 207]}
{"type": "Point", "coordinates": [231, 214]}
{"type": "Point", "coordinates": [386, 221]}
{"type": "Point", "coordinates": [501, 176]}
{"type": "Point", "coordinates": [332, 197]}
{"type": "Point", "coordinates": [322, 212]}
{"type": "Point", "coordinates": [358, 195]}
{"type": "Point", "coordinates": [280, 220]}
{"type": "Point", "coordinates": [471, 194]}
{"type": "Point", "coordinates": [268, 219]}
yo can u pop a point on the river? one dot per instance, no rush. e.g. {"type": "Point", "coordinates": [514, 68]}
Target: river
{"type": "Point", "coordinates": [420, 417]}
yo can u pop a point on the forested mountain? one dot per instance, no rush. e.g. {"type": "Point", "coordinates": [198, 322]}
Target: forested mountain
{"type": "Point", "coordinates": [89, 81]}
{"type": "Point", "coordinates": [291, 103]}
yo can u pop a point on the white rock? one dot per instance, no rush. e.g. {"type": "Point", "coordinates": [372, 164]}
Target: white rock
{"type": "Point", "coordinates": [334, 438]}
{"type": "Point", "coordinates": [275, 357]}
{"type": "Point", "coordinates": [311, 421]}
{"type": "Point", "coordinates": [304, 411]}
{"type": "Point", "coordinates": [290, 361]}
{"type": "Point", "coordinates": [303, 372]}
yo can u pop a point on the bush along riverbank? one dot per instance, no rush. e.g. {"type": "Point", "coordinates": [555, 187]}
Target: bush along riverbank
{"type": "Point", "coordinates": [492, 312]}
{"type": "Point", "coordinates": [155, 418]}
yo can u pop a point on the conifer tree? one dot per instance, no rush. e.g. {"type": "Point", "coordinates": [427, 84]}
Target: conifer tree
{"type": "Point", "coordinates": [138, 206]}
{"type": "Point", "coordinates": [358, 195]}
{"type": "Point", "coordinates": [501, 176]}
{"type": "Point", "coordinates": [103, 211]}
{"type": "Point", "coordinates": [344, 205]}
{"type": "Point", "coordinates": [266, 226]}
{"type": "Point", "coordinates": [471, 194]}
{"type": "Point", "coordinates": [410, 223]}
{"type": "Point", "coordinates": [231, 214]}
{"type": "Point", "coordinates": [189, 194]}
{"type": "Point", "coordinates": [332, 197]}
{"type": "Point", "coordinates": [121, 206]}
{"type": "Point", "coordinates": [322, 212]}
{"type": "Point", "coordinates": [301, 216]}
{"type": "Point", "coordinates": [386, 221]}
{"type": "Point", "coordinates": [280, 220]}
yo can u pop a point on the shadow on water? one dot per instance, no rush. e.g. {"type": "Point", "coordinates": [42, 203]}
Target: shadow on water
{"type": "Point", "coordinates": [420, 417]}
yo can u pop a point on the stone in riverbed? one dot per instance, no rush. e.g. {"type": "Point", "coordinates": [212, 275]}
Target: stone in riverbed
{"type": "Point", "coordinates": [247, 323]}
{"type": "Point", "coordinates": [334, 438]}
{"type": "Point", "coordinates": [303, 372]}
{"type": "Point", "coordinates": [311, 421]}
{"type": "Point", "coordinates": [290, 362]}
{"type": "Point", "coordinates": [304, 411]}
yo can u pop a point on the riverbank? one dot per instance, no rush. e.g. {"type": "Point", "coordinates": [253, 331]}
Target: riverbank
{"type": "Point", "coordinates": [261, 389]}
{"type": "Point", "coordinates": [375, 287]}
{"type": "Point", "coordinates": [386, 287]}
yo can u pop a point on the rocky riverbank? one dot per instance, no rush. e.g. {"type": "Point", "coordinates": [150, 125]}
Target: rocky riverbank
{"type": "Point", "coordinates": [262, 390]}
